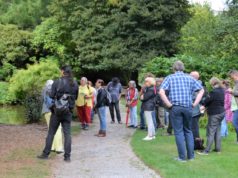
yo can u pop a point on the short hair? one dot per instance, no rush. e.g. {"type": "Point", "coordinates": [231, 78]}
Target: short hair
{"type": "Point", "coordinates": [133, 83]}
{"type": "Point", "coordinates": [151, 80]}
{"type": "Point", "coordinates": [100, 81]}
{"type": "Point", "coordinates": [215, 81]}
{"type": "Point", "coordinates": [149, 74]}
{"type": "Point", "coordinates": [233, 72]}
{"type": "Point", "coordinates": [178, 66]}
{"type": "Point", "coordinates": [84, 79]}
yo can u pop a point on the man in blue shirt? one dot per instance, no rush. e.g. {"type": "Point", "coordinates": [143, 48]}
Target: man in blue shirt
{"type": "Point", "coordinates": [181, 87]}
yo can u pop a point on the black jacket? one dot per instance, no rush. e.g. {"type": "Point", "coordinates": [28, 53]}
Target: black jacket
{"type": "Point", "coordinates": [101, 98]}
{"type": "Point", "coordinates": [148, 102]}
{"type": "Point", "coordinates": [215, 101]}
{"type": "Point", "coordinates": [63, 86]}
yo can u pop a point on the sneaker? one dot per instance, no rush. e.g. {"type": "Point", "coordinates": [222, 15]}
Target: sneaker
{"type": "Point", "coordinates": [180, 160]}
{"type": "Point", "coordinates": [142, 128]}
{"type": "Point", "coordinates": [86, 127]}
{"type": "Point", "coordinates": [153, 137]}
{"type": "Point", "coordinates": [67, 159]}
{"type": "Point", "coordinates": [119, 122]}
{"type": "Point", "coordinates": [203, 153]}
{"type": "Point", "coordinates": [42, 156]}
{"type": "Point", "coordinates": [83, 126]}
{"type": "Point", "coordinates": [148, 138]}
{"type": "Point", "coordinates": [112, 122]}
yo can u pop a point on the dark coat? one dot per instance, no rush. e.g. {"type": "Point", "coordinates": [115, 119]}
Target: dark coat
{"type": "Point", "coordinates": [148, 102]}
{"type": "Point", "coordinates": [101, 98]}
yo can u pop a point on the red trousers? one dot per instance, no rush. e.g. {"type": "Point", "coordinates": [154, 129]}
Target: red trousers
{"type": "Point", "coordinates": [84, 114]}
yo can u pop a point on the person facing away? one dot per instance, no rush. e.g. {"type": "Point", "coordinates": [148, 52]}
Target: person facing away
{"type": "Point", "coordinates": [148, 106]}
{"type": "Point", "coordinates": [132, 101]}
{"type": "Point", "coordinates": [181, 87]}
{"type": "Point", "coordinates": [100, 107]}
{"type": "Point", "coordinates": [61, 87]}
{"type": "Point", "coordinates": [216, 113]}
{"type": "Point", "coordinates": [57, 145]}
{"type": "Point", "coordinates": [114, 88]}
{"type": "Point", "coordinates": [84, 103]}
{"type": "Point", "coordinates": [234, 102]}
{"type": "Point", "coordinates": [90, 84]}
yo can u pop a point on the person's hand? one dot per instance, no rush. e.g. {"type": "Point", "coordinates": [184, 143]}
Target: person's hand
{"type": "Point", "coordinates": [142, 97]}
{"type": "Point", "coordinates": [202, 108]}
{"type": "Point", "coordinates": [170, 106]}
{"type": "Point", "coordinates": [230, 90]}
{"type": "Point", "coordinates": [87, 97]}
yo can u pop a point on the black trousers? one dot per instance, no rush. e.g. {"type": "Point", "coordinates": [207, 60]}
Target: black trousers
{"type": "Point", "coordinates": [111, 108]}
{"type": "Point", "coordinates": [195, 127]}
{"type": "Point", "coordinates": [55, 121]}
{"type": "Point", "coordinates": [170, 127]}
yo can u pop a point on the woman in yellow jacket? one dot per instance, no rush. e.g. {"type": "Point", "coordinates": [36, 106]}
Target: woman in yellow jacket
{"type": "Point", "coordinates": [57, 145]}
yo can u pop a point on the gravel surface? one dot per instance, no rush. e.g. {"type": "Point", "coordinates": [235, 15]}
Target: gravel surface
{"type": "Point", "coordinates": [106, 157]}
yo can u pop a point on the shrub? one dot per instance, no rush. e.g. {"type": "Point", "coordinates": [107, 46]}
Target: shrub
{"type": "Point", "coordinates": [6, 71]}
{"type": "Point", "coordinates": [26, 85]}
{"type": "Point", "coordinates": [4, 94]}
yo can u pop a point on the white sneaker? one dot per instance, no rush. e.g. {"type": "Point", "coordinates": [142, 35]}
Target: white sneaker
{"type": "Point", "coordinates": [153, 137]}
{"type": "Point", "coordinates": [148, 138]}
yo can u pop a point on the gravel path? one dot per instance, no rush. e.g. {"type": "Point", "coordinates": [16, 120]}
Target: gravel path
{"type": "Point", "coordinates": [107, 157]}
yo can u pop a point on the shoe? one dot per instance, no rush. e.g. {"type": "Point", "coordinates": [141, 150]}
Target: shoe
{"type": "Point", "coordinates": [192, 159]}
{"type": "Point", "coordinates": [83, 126]}
{"type": "Point", "coordinates": [119, 122]}
{"type": "Point", "coordinates": [203, 153]}
{"type": "Point", "coordinates": [59, 152]}
{"type": "Point", "coordinates": [112, 122]}
{"type": "Point", "coordinates": [131, 126]}
{"type": "Point", "coordinates": [153, 137]}
{"type": "Point", "coordinates": [180, 160]}
{"type": "Point", "coordinates": [148, 138]}
{"type": "Point", "coordinates": [43, 156]}
{"type": "Point", "coordinates": [67, 159]}
{"type": "Point", "coordinates": [142, 128]}
{"type": "Point", "coordinates": [102, 134]}
{"type": "Point", "coordinates": [86, 127]}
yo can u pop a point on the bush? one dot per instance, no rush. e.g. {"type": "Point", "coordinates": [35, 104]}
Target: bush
{"type": "Point", "coordinates": [4, 94]}
{"type": "Point", "coordinates": [26, 85]}
{"type": "Point", "coordinates": [6, 71]}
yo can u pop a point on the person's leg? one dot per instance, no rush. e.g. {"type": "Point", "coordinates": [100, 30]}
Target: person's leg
{"type": "Point", "coordinates": [218, 133]}
{"type": "Point", "coordinates": [102, 117]}
{"type": "Point", "coordinates": [187, 125]}
{"type": "Point", "coordinates": [54, 124]}
{"type": "Point", "coordinates": [80, 112]}
{"type": "Point", "coordinates": [154, 119]}
{"type": "Point", "coordinates": [150, 124]}
{"type": "Point", "coordinates": [177, 122]}
{"type": "Point", "coordinates": [131, 117]}
{"type": "Point", "coordinates": [117, 108]}
{"type": "Point", "coordinates": [223, 128]}
{"type": "Point", "coordinates": [157, 116]}
{"type": "Point", "coordinates": [195, 126]}
{"type": "Point", "coordinates": [135, 117]}
{"type": "Point", "coordinates": [235, 123]}
{"type": "Point", "coordinates": [87, 114]}
{"type": "Point", "coordinates": [142, 119]}
{"type": "Point", "coordinates": [111, 108]}
{"type": "Point", "coordinates": [161, 116]}
{"type": "Point", "coordinates": [66, 124]}
{"type": "Point", "coordinates": [170, 127]}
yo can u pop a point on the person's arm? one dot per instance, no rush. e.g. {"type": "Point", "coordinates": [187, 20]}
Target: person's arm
{"type": "Point", "coordinates": [199, 97]}
{"type": "Point", "coordinates": [120, 92]}
{"type": "Point", "coordinates": [54, 89]}
{"type": "Point", "coordinates": [208, 99]}
{"type": "Point", "coordinates": [165, 98]}
{"type": "Point", "coordinates": [147, 95]}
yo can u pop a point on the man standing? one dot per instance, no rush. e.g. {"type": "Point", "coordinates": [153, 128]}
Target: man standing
{"type": "Point", "coordinates": [65, 86]}
{"type": "Point", "coordinates": [180, 102]}
{"type": "Point", "coordinates": [115, 89]}
{"type": "Point", "coordinates": [159, 107]}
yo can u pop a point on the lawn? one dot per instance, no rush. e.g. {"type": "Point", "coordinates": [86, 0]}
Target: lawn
{"type": "Point", "coordinates": [160, 153]}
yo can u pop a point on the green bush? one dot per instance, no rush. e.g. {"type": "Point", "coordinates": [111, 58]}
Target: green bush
{"type": "Point", "coordinates": [6, 71]}
{"type": "Point", "coordinates": [26, 85]}
{"type": "Point", "coordinates": [5, 97]}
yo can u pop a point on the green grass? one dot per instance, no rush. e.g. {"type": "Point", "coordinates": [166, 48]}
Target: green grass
{"type": "Point", "coordinates": [159, 155]}
{"type": "Point", "coordinates": [75, 129]}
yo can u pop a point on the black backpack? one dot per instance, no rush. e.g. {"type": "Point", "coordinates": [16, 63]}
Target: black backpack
{"type": "Point", "coordinates": [62, 103]}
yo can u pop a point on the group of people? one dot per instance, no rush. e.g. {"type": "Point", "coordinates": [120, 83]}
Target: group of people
{"type": "Point", "coordinates": [175, 102]}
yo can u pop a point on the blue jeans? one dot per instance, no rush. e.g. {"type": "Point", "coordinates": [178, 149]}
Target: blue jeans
{"type": "Point", "coordinates": [224, 128]}
{"type": "Point", "coordinates": [181, 118]}
{"type": "Point", "coordinates": [102, 118]}
{"type": "Point", "coordinates": [235, 122]}
{"type": "Point", "coordinates": [142, 118]}
{"type": "Point", "coordinates": [133, 116]}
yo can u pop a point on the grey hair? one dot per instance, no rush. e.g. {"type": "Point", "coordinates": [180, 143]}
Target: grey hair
{"type": "Point", "coordinates": [133, 83]}
{"type": "Point", "coordinates": [84, 79]}
{"type": "Point", "coordinates": [178, 66]}
{"type": "Point", "coordinates": [233, 72]}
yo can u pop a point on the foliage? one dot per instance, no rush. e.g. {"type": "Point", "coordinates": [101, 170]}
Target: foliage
{"type": "Point", "coordinates": [6, 71]}
{"type": "Point", "coordinates": [5, 97]}
{"type": "Point", "coordinates": [110, 35]}
{"type": "Point", "coordinates": [23, 13]}
{"type": "Point", "coordinates": [14, 45]}
{"type": "Point", "coordinates": [26, 82]}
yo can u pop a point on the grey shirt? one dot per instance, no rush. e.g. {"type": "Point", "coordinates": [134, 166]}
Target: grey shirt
{"type": "Point", "coordinates": [45, 93]}
{"type": "Point", "coordinates": [115, 91]}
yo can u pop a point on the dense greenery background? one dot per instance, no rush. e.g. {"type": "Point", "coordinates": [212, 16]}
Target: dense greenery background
{"type": "Point", "coordinates": [105, 38]}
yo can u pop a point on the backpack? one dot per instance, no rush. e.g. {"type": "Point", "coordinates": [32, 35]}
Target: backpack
{"type": "Point", "coordinates": [108, 99]}
{"type": "Point", "coordinates": [62, 103]}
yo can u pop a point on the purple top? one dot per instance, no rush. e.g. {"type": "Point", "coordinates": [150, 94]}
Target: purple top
{"type": "Point", "coordinates": [229, 114]}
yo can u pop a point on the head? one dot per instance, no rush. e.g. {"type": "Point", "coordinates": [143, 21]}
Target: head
{"type": "Point", "coordinates": [132, 84]}
{"type": "Point", "coordinates": [90, 83]}
{"type": "Point", "coordinates": [49, 84]}
{"type": "Point", "coordinates": [178, 66]}
{"type": "Point", "coordinates": [99, 83]}
{"type": "Point", "coordinates": [66, 71]}
{"type": "Point", "coordinates": [215, 82]}
{"type": "Point", "coordinates": [149, 74]}
{"type": "Point", "coordinates": [115, 80]}
{"type": "Point", "coordinates": [83, 81]}
{"type": "Point", "coordinates": [226, 83]}
{"type": "Point", "coordinates": [233, 74]}
{"type": "Point", "coordinates": [195, 75]}
{"type": "Point", "coordinates": [159, 81]}
{"type": "Point", "coordinates": [149, 81]}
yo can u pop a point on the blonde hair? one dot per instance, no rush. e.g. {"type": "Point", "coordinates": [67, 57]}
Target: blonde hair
{"type": "Point", "coordinates": [215, 82]}
{"type": "Point", "coordinates": [151, 80]}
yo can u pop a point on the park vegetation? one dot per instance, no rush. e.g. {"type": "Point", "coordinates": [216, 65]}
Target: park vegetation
{"type": "Point", "coordinates": [127, 38]}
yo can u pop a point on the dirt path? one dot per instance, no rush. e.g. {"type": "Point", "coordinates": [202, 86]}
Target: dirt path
{"type": "Point", "coordinates": [103, 157]}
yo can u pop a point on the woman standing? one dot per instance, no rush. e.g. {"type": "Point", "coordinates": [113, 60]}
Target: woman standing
{"type": "Point", "coordinates": [101, 107]}
{"type": "Point", "coordinates": [216, 112]}
{"type": "Point", "coordinates": [84, 103]}
{"type": "Point", "coordinates": [148, 105]}
{"type": "Point", "coordinates": [57, 145]}
{"type": "Point", "coordinates": [132, 100]}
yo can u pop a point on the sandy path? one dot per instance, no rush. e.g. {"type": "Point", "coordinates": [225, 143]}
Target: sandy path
{"type": "Point", "coordinates": [103, 157]}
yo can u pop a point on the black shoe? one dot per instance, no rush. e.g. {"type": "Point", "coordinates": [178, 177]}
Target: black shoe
{"type": "Point", "coordinates": [119, 122]}
{"type": "Point", "coordinates": [59, 152]}
{"type": "Point", "coordinates": [83, 126]}
{"type": "Point", "coordinates": [130, 126]}
{"type": "Point", "coordinates": [42, 156]}
{"type": "Point", "coordinates": [142, 128]}
{"type": "Point", "coordinates": [67, 159]}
